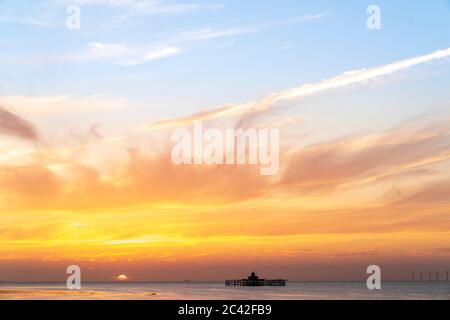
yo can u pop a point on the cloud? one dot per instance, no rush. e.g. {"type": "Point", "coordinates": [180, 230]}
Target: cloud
{"type": "Point", "coordinates": [362, 75]}
{"type": "Point", "coordinates": [156, 7]}
{"type": "Point", "coordinates": [120, 54]}
{"type": "Point", "coordinates": [138, 181]}
{"type": "Point", "coordinates": [35, 182]}
{"type": "Point", "coordinates": [324, 167]}
{"type": "Point", "coordinates": [193, 212]}
{"type": "Point", "coordinates": [127, 56]}
{"type": "Point", "coordinates": [343, 80]}
{"type": "Point", "coordinates": [98, 50]}
{"type": "Point", "coordinates": [435, 194]}
{"type": "Point", "coordinates": [153, 6]}
{"type": "Point", "coordinates": [296, 19]}
{"type": "Point", "coordinates": [59, 104]}
{"type": "Point", "coordinates": [28, 14]}
{"type": "Point", "coordinates": [208, 33]}
{"type": "Point", "coordinates": [152, 55]}
{"type": "Point", "coordinates": [123, 173]}
{"type": "Point", "coordinates": [26, 21]}
{"type": "Point", "coordinates": [133, 8]}
{"type": "Point", "coordinates": [126, 9]}
{"type": "Point", "coordinates": [131, 55]}
{"type": "Point", "coordinates": [13, 125]}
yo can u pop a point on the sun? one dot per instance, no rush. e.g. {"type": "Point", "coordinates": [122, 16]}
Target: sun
{"type": "Point", "coordinates": [122, 277]}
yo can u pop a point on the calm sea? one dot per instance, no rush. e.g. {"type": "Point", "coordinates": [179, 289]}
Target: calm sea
{"type": "Point", "coordinates": [217, 290]}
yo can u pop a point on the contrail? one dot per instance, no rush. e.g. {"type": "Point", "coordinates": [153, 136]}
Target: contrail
{"type": "Point", "coordinates": [342, 80]}
{"type": "Point", "coordinates": [357, 76]}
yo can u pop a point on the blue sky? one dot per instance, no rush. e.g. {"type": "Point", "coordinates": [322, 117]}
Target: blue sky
{"type": "Point", "coordinates": [86, 118]}
{"type": "Point", "coordinates": [206, 53]}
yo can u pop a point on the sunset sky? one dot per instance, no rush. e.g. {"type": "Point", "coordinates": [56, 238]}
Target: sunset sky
{"type": "Point", "coordinates": [86, 118]}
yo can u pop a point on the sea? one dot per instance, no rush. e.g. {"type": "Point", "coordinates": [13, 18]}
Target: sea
{"type": "Point", "coordinates": [218, 291]}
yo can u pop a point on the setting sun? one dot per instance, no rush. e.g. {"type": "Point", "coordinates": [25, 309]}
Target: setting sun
{"type": "Point", "coordinates": [122, 277]}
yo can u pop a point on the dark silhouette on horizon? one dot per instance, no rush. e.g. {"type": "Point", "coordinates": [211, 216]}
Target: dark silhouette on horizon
{"type": "Point", "coordinates": [254, 281]}
{"type": "Point", "coordinates": [430, 276]}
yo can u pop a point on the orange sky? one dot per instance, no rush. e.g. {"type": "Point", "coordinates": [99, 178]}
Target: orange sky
{"type": "Point", "coordinates": [115, 204]}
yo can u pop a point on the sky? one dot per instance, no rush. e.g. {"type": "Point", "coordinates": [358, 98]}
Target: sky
{"type": "Point", "coordinates": [86, 117]}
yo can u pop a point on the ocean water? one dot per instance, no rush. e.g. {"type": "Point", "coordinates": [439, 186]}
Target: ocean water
{"type": "Point", "coordinates": [218, 291]}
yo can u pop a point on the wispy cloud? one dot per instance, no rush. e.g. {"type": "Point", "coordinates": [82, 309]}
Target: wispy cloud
{"type": "Point", "coordinates": [115, 53]}
{"type": "Point", "coordinates": [357, 160]}
{"type": "Point", "coordinates": [152, 55]}
{"type": "Point", "coordinates": [119, 54]}
{"type": "Point", "coordinates": [30, 13]}
{"type": "Point", "coordinates": [24, 20]}
{"type": "Point", "coordinates": [303, 18]}
{"type": "Point", "coordinates": [340, 81]}
{"type": "Point", "coordinates": [13, 125]}
{"type": "Point", "coordinates": [137, 54]}
{"type": "Point", "coordinates": [210, 33]}
{"type": "Point", "coordinates": [159, 7]}
{"type": "Point", "coordinates": [46, 14]}
{"type": "Point", "coordinates": [152, 5]}
{"type": "Point", "coordinates": [133, 8]}
{"type": "Point", "coordinates": [98, 50]}
{"type": "Point", "coordinates": [361, 75]}
{"type": "Point", "coordinates": [59, 104]}
{"type": "Point", "coordinates": [128, 56]}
